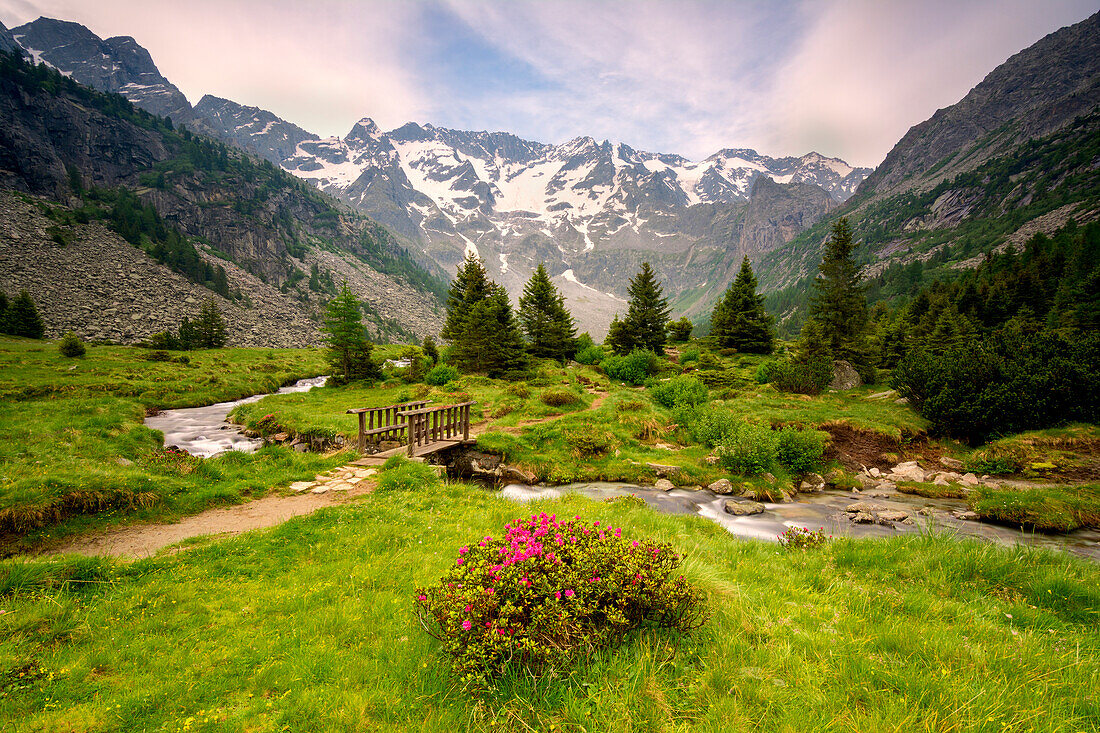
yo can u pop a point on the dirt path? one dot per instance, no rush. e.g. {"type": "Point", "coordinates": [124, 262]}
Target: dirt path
{"type": "Point", "coordinates": [145, 540]}
{"type": "Point", "coordinates": [335, 487]}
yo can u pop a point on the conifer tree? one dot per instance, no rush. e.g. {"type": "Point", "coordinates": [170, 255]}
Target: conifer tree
{"type": "Point", "coordinates": [210, 329]}
{"type": "Point", "coordinates": [431, 350]}
{"type": "Point", "coordinates": [23, 319]}
{"type": "Point", "coordinates": [739, 320]}
{"type": "Point", "coordinates": [480, 325]}
{"type": "Point", "coordinates": [349, 350]}
{"type": "Point", "coordinates": [3, 312]}
{"type": "Point", "coordinates": [840, 304]}
{"type": "Point", "coordinates": [470, 286]}
{"type": "Point", "coordinates": [619, 339]}
{"type": "Point", "coordinates": [550, 331]}
{"type": "Point", "coordinates": [646, 316]}
{"type": "Point", "coordinates": [680, 331]}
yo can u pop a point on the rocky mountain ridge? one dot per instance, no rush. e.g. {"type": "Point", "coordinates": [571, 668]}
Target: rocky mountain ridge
{"type": "Point", "coordinates": [1019, 154]}
{"type": "Point", "coordinates": [591, 211]}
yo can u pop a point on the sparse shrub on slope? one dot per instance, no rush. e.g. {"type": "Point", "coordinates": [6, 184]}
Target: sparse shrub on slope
{"type": "Point", "coordinates": [551, 591]}
{"type": "Point", "coordinates": [71, 346]}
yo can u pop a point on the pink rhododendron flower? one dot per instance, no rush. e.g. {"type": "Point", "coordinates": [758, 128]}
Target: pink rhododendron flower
{"type": "Point", "coordinates": [421, 598]}
{"type": "Point", "coordinates": [569, 594]}
{"type": "Point", "coordinates": [466, 624]}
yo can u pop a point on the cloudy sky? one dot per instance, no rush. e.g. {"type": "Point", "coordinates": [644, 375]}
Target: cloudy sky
{"type": "Point", "coordinates": [843, 77]}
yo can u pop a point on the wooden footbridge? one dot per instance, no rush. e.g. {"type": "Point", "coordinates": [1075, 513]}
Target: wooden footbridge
{"type": "Point", "coordinates": [422, 428]}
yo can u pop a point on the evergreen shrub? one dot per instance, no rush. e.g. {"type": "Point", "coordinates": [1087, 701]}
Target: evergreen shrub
{"type": "Point", "coordinates": [71, 346]}
{"type": "Point", "coordinates": [549, 592]}
{"type": "Point", "coordinates": [589, 440]}
{"type": "Point", "coordinates": [590, 355]}
{"type": "Point", "coordinates": [688, 356]}
{"type": "Point", "coordinates": [801, 378]}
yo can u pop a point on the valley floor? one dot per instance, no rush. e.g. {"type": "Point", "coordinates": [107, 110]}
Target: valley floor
{"type": "Point", "coordinates": [306, 622]}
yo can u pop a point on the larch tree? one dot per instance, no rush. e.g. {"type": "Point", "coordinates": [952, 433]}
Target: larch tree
{"type": "Point", "coordinates": [551, 333]}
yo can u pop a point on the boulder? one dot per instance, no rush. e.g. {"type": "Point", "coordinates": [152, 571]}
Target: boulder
{"type": "Point", "coordinates": [816, 479]}
{"type": "Point", "coordinates": [909, 471]}
{"type": "Point", "coordinates": [722, 486]}
{"type": "Point", "coordinates": [893, 515]}
{"type": "Point", "coordinates": [742, 508]}
{"type": "Point", "coordinates": [966, 516]}
{"type": "Point", "coordinates": [514, 475]}
{"type": "Point", "coordinates": [969, 480]}
{"type": "Point", "coordinates": [663, 471]}
{"type": "Point", "coordinates": [844, 376]}
{"type": "Point", "coordinates": [711, 460]}
{"type": "Point", "coordinates": [863, 518]}
{"type": "Point", "coordinates": [663, 484]}
{"type": "Point", "coordinates": [864, 506]}
{"type": "Point", "coordinates": [833, 477]}
{"type": "Point", "coordinates": [953, 463]}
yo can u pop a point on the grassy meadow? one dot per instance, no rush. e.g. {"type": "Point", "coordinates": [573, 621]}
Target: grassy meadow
{"type": "Point", "coordinates": [74, 453]}
{"type": "Point", "coordinates": [308, 626]}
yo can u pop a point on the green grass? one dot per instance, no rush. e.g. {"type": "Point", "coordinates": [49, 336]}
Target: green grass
{"type": "Point", "coordinates": [308, 626]}
{"type": "Point", "coordinates": [72, 442]}
{"type": "Point", "coordinates": [1047, 509]}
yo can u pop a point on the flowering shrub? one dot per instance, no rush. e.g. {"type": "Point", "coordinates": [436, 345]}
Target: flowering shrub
{"type": "Point", "coordinates": [550, 590]}
{"type": "Point", "coordinates": [267, 425]}
{"type": "Point", "coordinates": [803, 538]}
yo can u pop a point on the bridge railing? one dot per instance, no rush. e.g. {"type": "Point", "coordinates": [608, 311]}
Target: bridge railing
{"type": "Point", "coordinates": [428, 425]}
{"type": "Point", "coordinates": [384, 423]}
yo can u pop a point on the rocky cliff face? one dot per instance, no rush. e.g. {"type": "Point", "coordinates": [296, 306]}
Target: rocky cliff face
{"type": "Point", "coordinates": [102, 288]}
{"type": "Point", "coordinates": [266, 223]}
{"type": "Point", "coordinates": [116, 64]}
{"type": "Point", "coordinates": [7, 42]}
{"type": "Point", "coordinates": [1032, 94]}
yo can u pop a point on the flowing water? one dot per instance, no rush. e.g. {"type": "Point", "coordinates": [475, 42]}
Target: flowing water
{"type": "Point", "coordinates": [203, 431]}
{"type": "Point", "coordinates": [824, 510]}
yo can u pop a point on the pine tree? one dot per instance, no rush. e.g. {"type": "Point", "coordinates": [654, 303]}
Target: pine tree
{"type": "Point", "coordinates": [840, 304]}
{"type": "Point", "coordinates": [480, 325]}
{"type": "Point", "coordinates": [646, 316]}
{"type": "Point", "coordinates": [209, 328]}
{"type": "Point", "coordinates": [739, 320]}
{"type": "Point", "coordinates": [491, 341]}
{"type": "Point", "coordinates": [23, 319]}
{"type": "Point", "coordinates": [550, 331]}
{"type": "Point", "coordinates": [349, 350]}
{"type": "Point", "coordinates": [3, 312]}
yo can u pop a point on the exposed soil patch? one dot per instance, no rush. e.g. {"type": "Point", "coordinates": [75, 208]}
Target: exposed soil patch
{"type": "Point", "coordinates": [855, 448]}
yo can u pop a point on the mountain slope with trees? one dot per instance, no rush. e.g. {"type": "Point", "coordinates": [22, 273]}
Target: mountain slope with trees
{"type": "Point", "coordinates": [186, 199]}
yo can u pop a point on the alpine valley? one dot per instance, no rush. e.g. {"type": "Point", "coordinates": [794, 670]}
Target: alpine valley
{"type": "Point", "coordinates": [592, 210]}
